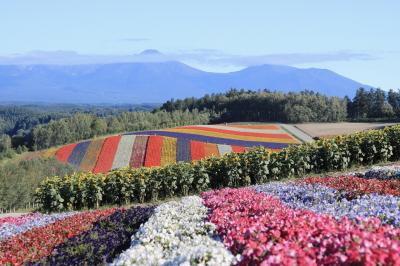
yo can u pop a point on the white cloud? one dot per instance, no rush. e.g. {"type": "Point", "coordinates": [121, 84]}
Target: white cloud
{"type": "Point", "coordinates": [135, 39]}
{"type": "Point", "coordinates": [199, 57]}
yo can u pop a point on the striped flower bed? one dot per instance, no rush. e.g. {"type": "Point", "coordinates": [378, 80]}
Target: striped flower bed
{"type": "Point", "coordinates": [138, 151]}
{"type": "Point", "coordinates": [78, 153]}
{"type": "Point", "coordinates": [264, 230]}
{"type": "Point", "coordinates": [168, 151]}
{"type": "Point", "coordinates": [224, 149]}
{"type": "Point", "coordinates": [64, 152]}
{"type": "Point", "coordinates": [385, 172]}
{"type": "Point", "coordinates": [25, 223]}
{"type": "Point", "coordinates": [239, 135]}
{"type": "Point", "coordinates": [177, 234]}
{"type": "Point", "coordinates": [197, 150]}
{"type": "Point", "coordinates": [39, 242]}
{"type": "Point", "coordinates": [123, 153]}
{"type": "Point", "coordinates": [269, 127]}
{"type": "Point", "coordinates": [303, 222]}
{"type": "Point", "coordinates": [183, 150]}
{"type": "Point", "coordinates": [217, 140]}
{"type": "Point", "coordinates": [153, 151]}
{"type": "Point", "coordinates": [103, 242]}
{"type": "Point", "coordinates": [354, 186]}
{"type": "Point", "coordinates": [18, 220]}
{"type": "Point", "coordinates": [163, 147]}
{"type": "Point", "coordinates": [92, 154]}
{"type": "Point", "coordinates": [321, 199]}
{"type": "Point", "coordinates": [49, 153]}
{"type": "Point", "coordinates": [211, 149]}
{"type": "Point", "coordinates": [106, 157]}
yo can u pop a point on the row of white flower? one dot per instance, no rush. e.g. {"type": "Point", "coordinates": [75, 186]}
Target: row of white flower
{"type": "Point", "coordinates": [177, 234]}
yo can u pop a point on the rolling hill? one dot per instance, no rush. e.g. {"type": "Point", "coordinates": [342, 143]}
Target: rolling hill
{"type": "Point", "coordinates": [171, 145]}
{"type": "Point", "coordinates": [155, 82]}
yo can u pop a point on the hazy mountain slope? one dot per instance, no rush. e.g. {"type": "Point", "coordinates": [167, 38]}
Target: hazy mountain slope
{"type": "Point", "coordinates": [155, 82]}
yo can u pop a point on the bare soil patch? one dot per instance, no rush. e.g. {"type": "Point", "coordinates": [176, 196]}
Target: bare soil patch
{"type": "Point", "coordinates": [334, 129]}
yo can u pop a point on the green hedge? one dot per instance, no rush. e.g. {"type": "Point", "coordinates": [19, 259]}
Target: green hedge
{"type": "Point", "coordinates": [87, 190]}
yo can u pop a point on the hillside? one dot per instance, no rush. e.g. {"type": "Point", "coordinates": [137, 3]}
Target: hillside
{"type": "Point", "coordinates": [167, 146]}
{"type": "Point", "coordinates": [155, 82]}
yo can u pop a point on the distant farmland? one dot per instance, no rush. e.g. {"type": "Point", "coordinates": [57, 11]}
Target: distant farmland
{"type": "Point", "coordinates": [162, 147]}
{"type": "Point", "coordinates": [334, 129]}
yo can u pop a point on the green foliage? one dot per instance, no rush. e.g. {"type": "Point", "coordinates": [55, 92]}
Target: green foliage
{"type": "Point", "coordinates": [307, 106]}
{"type": "Point", "coordinates": [232, 170]}
{"type": "Point", "coordinates": [5, 143]}
{"type": "Point", "coordinates": [86, 126]}
{"type": "Point", "coordinates": [6, 150]}
{"type": "Point", "coordinates": [18, 121]}
{"type": "Point", "coordinates": [18, 180]}
{"type": "Point", "coordinates": [374, 104]}
{"type": "Point", "coordinates": [247, 105]}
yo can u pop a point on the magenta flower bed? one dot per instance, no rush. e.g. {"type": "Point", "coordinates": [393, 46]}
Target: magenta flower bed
{"type": "Point", "coordinates": [18, 220]}
{"type": "Point", "coordinates": [266, 231]}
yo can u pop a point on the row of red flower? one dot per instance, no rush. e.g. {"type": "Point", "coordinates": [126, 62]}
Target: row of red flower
{"type": "Point", "coordinates": [265, 231]}
{"type": "Point", "coordinates": [39, 242]}
{"type": "Point", "coordinates": [357, 185]}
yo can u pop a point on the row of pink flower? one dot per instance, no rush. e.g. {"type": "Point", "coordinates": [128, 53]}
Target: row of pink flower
{"type": "Point", "coordinates": [18, 220]}
{"type": "Point", "coordinates": [266, 231]}
{"type": "Point", "coordinates": [356, 186]}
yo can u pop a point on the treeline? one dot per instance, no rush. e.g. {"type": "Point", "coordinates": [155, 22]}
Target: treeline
{"type": "Point", "coordinates": [374, 104]}
{"type": "Point", "coordinates": [86, 126]}
{"type": "Point", "coordinates": [16, 124]}
{"type": "Point", "coordinates": [247, 105]}
{"type": "Point", "coordinates": [18, 121]}
{"type": "Point", "coordinates": [306, 106]}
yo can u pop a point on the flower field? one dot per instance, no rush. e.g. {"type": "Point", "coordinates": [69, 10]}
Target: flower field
{"type": "Point", "coordinates": [163, 147]}
{"type": "Point", "coordinates": [352, 219]}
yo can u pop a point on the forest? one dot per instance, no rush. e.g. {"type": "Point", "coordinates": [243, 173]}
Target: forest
{"type": "Point", "coordinates": [17, 121]}
{"type": "Point", "coordinates": [306, 106]}
{"type": "Point", "coordinates": [87, 126]}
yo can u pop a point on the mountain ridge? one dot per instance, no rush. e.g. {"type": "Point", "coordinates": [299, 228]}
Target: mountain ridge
{"type": "Point", "coordinates": [156, 81]}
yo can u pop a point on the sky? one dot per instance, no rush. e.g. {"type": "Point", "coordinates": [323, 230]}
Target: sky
{"type": "Point", "coordinates": [358, 39]}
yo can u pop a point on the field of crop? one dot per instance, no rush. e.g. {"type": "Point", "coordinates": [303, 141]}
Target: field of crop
{"type": "Point", "coordinates": [352, 219]}
{"type": "Point", "coordinates": [334, 129]}
{"type": "Point", "coordinates": [163, 147]}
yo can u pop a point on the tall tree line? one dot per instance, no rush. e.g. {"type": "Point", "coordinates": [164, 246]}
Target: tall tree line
{"type": "Point", "coordinates": [374, 104]}
{"type": "Point", "coordinates": [86, 126]}
{"type": "Point", "coordinates": [247, 105]}
{"type": "Point", "coordinates": [17, 121]}
{"type": "Point", "coordinates": [306, 106]}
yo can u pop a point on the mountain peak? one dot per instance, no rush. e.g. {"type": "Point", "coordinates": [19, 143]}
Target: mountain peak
{"type": "Point", "coordinates": [151, 52]}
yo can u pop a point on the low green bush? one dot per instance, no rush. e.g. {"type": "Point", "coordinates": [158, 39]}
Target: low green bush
{"type": "Point", "coordinates": [87, 190]}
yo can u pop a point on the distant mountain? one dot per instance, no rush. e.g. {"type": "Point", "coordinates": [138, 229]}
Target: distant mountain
{"type": "Point", "coordinates": [151, 52]}
{"type": "Point", "coordinates": [155, 82]}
